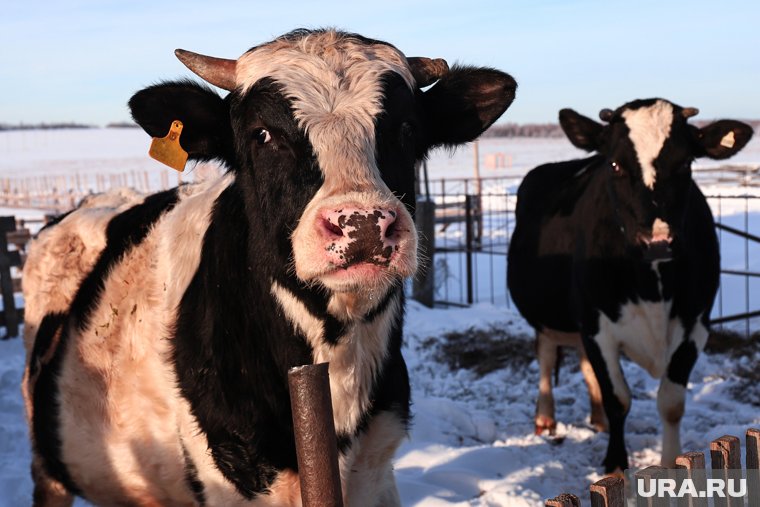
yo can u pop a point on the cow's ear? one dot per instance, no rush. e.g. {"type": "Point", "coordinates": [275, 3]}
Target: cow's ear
{"type": "Point", "coordinates": [724, 138]}
{"type": "Point", "coordinates": [206, 132]}
{"type": "Point", "coordinates": [581, 130]}
{"type": "Point", "coordinates": [465, 102]}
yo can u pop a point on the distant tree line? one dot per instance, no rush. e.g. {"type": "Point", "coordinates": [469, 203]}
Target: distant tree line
{"type": "Point", "coordinates": [44, 126]}
{"type": "Point", "coordinates": [499, 130]}
{"type": "Point", "coordinates": [63, 125]}
{"type": "Point", "coordinates": [524, 130]}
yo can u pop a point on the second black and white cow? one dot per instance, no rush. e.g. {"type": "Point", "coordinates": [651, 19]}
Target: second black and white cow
{"type": "Point", "coordinates": [160, 329]}
{"type": "Point", "coordinates": [619, 251]}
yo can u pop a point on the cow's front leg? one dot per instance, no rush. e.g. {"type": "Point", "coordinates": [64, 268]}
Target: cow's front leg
{"type": "Point", "coordinates": [672, 393]}
{"type": "Point", "coordinates": [546, 349]}
{"type": "Point", "coordinates": [598, 418]}
{"type": "Point", "coordinates": [604, 355]}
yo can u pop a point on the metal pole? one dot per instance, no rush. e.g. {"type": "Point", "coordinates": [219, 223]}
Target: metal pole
{"type": "Point", "coordinates": [423, 286]}
{"type": "Point", "coordinates": [316, 443]}
{"type": "Point", "coordinates": [468, 245]}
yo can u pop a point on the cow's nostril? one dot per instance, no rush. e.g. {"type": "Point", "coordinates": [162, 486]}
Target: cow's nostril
{"type": "Point", "coordinates": [332, 228]}
{"type": "Point", "coordinates": [390, 230]}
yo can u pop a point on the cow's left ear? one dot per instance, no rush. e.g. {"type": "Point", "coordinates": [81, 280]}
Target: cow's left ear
{"type": "Point", "coordinates": [724, 138]}
{"type": "Point", "coordinates": [465, 102]}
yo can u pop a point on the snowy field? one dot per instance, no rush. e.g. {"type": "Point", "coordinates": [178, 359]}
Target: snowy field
{"type": "Point", "coordinates": [472, 441]}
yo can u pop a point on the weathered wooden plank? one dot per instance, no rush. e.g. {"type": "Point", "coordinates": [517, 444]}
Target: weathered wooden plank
{"type": "Point", "coordinates": [563, 500]}
{"type": "Point", "coordinates": [753, 465]}
{"type": "Point", "coordinates": [691, 465]}
{"type": "Point", "coordinates": [650, 477]}
{"type": "Point", "coordinates": [725, 456]}
{"type": "Point", "coordinates": [608, 492]}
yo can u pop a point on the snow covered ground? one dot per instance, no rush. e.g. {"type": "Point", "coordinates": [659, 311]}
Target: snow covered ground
{"type": "Point", "coordinates": [472, 439]}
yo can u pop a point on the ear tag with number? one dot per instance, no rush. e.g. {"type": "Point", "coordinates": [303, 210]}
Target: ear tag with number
{"type": "Point", "coordinates": [167, 150]}
{"type": "Point", "coordinates": [728, 140]}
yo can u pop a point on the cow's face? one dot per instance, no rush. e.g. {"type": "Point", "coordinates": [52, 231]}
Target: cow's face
{"type": "Point", "coordinates": [647, 148]}
{"type": "Point", "coordinates": [323, 130]}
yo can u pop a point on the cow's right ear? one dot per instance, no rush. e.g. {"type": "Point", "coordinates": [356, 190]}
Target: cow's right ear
{"type": "Point", "coordinates": [206, 132]}
{"type": "Point", "coordinates": [582, 131]}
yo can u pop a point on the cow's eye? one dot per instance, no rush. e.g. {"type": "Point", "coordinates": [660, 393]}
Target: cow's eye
{"type": "Point", "coordinates": [262, 136]}
{"type": "Point", "coordinates": [616, 168]}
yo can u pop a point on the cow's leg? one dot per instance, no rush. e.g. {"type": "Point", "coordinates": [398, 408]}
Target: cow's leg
{"type": "Point", "coordinates": [47, 491]}
{"type": "Point", "coordinates": [604, 354]}
{"type": "Point", "coordinates": [672, 393]}
{"type": "Point", "coordinates": [546, 348]}
{"type": "Point", "coordinates": [598, 419]}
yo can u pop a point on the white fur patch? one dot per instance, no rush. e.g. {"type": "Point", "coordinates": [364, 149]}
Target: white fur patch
{"type": "Point", "coordinates": [354, 361]}
{"type": "Point", "coordinates": [649, 129]}
{"type": "Point", "coordinates": [336, 88]}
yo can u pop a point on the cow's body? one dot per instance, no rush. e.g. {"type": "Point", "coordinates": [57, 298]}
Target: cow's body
{"type": "Point", "coordinates": [160, 329]}
{"type": "Point", "coordinates": [619, 251]}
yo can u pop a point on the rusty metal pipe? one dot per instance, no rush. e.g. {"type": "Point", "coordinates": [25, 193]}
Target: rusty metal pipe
{"type": "Point", "coordinates": [316, 444]}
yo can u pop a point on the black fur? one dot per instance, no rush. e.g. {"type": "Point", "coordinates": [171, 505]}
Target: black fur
{"type": "Point", "coordinates": [50, 325]}
{"type": "Point", "coordinates": [577, 251]}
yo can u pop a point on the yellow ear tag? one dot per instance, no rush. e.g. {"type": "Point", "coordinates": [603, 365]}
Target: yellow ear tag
{"type": "Point", "coordinates": [167, 149]}
{"type": "Point", "coordinates": [728, 140]}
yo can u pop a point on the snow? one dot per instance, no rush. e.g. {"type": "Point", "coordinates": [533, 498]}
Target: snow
{"type": "Point", "coordinates": [472, 441]}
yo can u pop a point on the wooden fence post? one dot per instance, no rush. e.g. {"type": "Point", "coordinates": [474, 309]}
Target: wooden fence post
{"type": "Point", "coordinates": [316, 443]}
{"type": "Point", "coordinates": [649, 474]}
{"type": "Point", "coordinates": [423, 285]}
{"type": "Point", "coordinates": [724, 456]}
{"type": "Point", "coordinates": [692, 466]}
{"type": "Point", "coordinates": [563, 500]}
{"type": "Point", "coordinates": [8, 259]}
{"type": "Point", "coordinates": [608, 492]}
{"type": "Point", "coordinates": [753, 466]}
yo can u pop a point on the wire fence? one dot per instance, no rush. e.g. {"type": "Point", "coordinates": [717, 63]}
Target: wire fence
{"type": "Point", "coordinates": [474, 220]}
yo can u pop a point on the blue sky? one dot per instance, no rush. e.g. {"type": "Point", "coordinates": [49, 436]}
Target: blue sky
{"type": "Point", "coordinates": [81, 60]}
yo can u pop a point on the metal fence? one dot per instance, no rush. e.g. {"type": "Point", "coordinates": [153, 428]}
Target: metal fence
{"type": "Point", "coordinates": [474, 220]}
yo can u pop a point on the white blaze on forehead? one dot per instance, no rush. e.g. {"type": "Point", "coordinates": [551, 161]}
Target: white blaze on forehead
{"type": "Point", "coordinates": [649, 128]}
{"type": "Point", "coordinates": [335, 84]}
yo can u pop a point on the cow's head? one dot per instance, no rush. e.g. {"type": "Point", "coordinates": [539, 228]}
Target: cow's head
{"type": "Point", "coordinates": [323, 130]}
{"type": "Point", "coordinates": [648, 147]}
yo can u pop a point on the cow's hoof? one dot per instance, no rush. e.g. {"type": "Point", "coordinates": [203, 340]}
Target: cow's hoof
{"type": "Point", "coordinates": [545, 426]}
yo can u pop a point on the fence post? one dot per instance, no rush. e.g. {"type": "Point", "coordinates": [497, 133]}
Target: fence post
{"type": "Point", "coordinates": [753, 465]}
{"type": "Point", "coordinates": [314, 430]}
{"type": "Point", "coordinates": [8, 224]}
{"type": "Point", "coordinates": [423, 285]}
{"type": "Point", "coordinates": [563, 500]}
{"type": "Point", "coordinates": [724, 456]}
{"type": "Point", "coordinates": [649, 474]}
{"type": "Point", "coordinates": [691, 465]}
{"type": "Point", "coordinates": [608, 492]}
{"type": "Point", "coordinates": [469, 236]}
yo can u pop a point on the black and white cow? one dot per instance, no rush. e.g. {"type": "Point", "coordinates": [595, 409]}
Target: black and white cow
{"type": "Point", "coordinates": [160, 329]}
{"type": "Point", "coordinates": [618, 251]}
